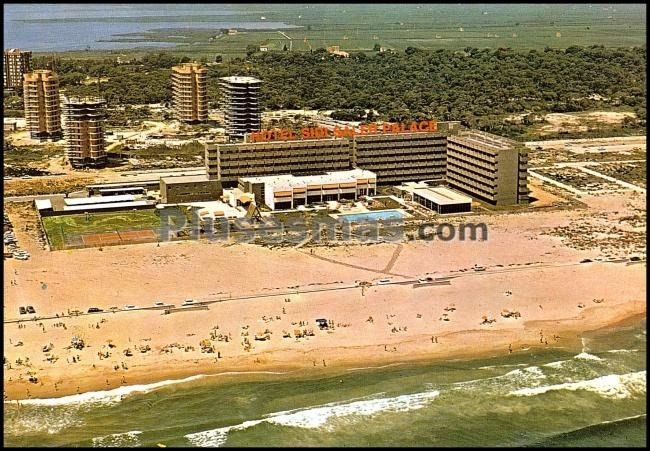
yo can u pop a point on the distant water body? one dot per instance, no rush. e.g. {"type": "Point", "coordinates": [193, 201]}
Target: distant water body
{"type": "Point", "coordinates": [62, 27]}
{"type": "Point", "coordinates": [594, 396]}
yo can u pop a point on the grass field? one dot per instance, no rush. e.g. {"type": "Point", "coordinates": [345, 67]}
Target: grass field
{"type": "Point", "coordinates": [358, 27]}
{"type": "Point", "coordinates": [58, 226]}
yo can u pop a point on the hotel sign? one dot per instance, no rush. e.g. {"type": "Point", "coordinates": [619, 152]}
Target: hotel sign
{"type": "Point", "coordinates": [387, 128]}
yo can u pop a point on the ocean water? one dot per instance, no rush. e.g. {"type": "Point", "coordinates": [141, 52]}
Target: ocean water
{"type": "Point", "coordinates": [62, 27]}
{"type": "Point", "coordinates": [593, 396]}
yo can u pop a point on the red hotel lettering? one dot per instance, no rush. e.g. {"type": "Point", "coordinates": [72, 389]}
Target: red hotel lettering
{"type": "Point", "coordinates": [347, 132]}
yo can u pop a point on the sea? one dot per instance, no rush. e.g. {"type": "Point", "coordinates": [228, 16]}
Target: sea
{"type": "Point", "coordinates": [81, 26]}
{"type": "Point", "coordinates": [594, 395]}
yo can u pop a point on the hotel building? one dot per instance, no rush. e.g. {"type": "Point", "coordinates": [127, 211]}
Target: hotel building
{"type": "Point", "coordinates": [228, 162]}
{"type": "Point", "coordinates": [42, 105]}
{"type": "Point", "coordinates": [487, 166]}
{"type": "Point", "coordinates": [404, 157]}
{"type": "Point", "coordinates": [190, 92]}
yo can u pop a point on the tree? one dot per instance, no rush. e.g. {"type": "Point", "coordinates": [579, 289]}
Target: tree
{"type": "Point", "coordinates": [285, 48]}
{"type": "Point", "coordinates": [376, 48]}
{"type": "Point", "coordinates": [251, 50]}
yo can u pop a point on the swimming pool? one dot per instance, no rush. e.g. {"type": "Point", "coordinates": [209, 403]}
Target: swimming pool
{"type": "Point", "coordinates": [373, 216]}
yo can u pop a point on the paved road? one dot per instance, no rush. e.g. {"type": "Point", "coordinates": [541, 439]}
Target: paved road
{"type": "Point", "coordinates": [450, 276]}
{"type": "Point", "coordinates": [31, 198]}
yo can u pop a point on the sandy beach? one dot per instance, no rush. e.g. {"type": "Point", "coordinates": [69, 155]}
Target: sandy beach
{"type": "Point", "coordinates": [528, 271]}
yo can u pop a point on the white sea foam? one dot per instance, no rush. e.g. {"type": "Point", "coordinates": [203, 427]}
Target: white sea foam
{"type": "Point", "coordinates": [320, 416]}
{"type": "Point", "coordinates": [616, 351]}
{"type": "Point", "coordinates": [558, 364]}
{"type": "Point", "coordinates": [529, 374]}
{"type": "Point", "coordinates": [45, 420]}
{"type": "Point", "coordinates": [610, 386]}
{"type": "Point", "coordinates": [587, 356]}
{"type": "Point", "coordinates": [124, 439]}
{"type": "Point", "coordinates": [104, 397]}
{"type": "Point", "coordinates": [317, 417]}
{"type": "Point", "coordinates": [217, 437]}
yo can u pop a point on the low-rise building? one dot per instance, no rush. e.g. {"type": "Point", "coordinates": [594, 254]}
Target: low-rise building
{"type": "Point", "coordinates": [442, 200]}
{"type": "Point", "coordinates": [284, 192]}
{"type": "Point", "coordinates": [191, 188]}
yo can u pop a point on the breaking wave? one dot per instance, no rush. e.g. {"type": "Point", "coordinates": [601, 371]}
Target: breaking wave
{"type": "Point", "coordinates": [124, 439]}
{"type": "Point", "coordinates": [49, 421]}
{"type": "Point", "coordinates": [587, 356]}
{"type": "Point", "coordinates": [117, 394]}
{"type": "Point", "coordinates": [319, 416]}
{"type": "Point", "coordinates": [611, 386]}
{"type": "Point", "coordinates": [103, 397]}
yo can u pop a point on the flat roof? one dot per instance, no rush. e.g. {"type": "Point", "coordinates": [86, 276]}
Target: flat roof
{"type": "Point", "coordinates": [99, 200]}
{"type": "Point", "coordinates": [43, 204]}
{"type": "Point", "coordinates": [116, 190]}
{"type": "Point", "coordinates": [170, 180]}
{"type": "Point", "coordinates": [443, 196]}
{"type": "Point", "coordinates": [289, 181]}
{"type": "Point", "coordinates": [486, 139]}
{"type": "Point", "coordinates": [124, 205]}
{"type": "Point", "coordinates": [123, 184]}
{"type": "Point", "coordinates": [237, 79]}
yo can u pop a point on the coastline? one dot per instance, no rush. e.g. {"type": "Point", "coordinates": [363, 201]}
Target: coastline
{"type": "Point", "coordinates": [277, 364]}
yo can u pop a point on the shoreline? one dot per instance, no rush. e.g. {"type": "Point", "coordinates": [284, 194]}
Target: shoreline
{"type": "Point", "coordinates": [153, 376]}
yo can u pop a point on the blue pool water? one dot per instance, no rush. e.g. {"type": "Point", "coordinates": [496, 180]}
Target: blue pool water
{"type": "Point", "coordinates": [373, 216]}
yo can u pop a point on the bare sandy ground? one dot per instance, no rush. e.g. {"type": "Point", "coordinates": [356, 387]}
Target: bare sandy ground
{"type": "Point", "coordinates": [553, 292]}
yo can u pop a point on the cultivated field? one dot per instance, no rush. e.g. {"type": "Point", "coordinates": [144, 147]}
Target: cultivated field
{"type": "Point", "coordinates": [398, 26]}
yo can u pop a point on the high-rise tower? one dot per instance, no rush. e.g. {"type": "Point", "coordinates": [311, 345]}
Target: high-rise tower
{"type": "Point", "coordinates": [84, 131]}
{"type": "Point", "coordinates": [240, 103]}
{"type": "Point", "coordinates": [190, 92]}
{"type": "Point", "coordinates": [42, 109]}
{"type": "Point", "coordinates": [16, 63]}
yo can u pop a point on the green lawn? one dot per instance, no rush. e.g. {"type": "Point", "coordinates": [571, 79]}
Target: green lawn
{"type": "Point", "coordinates": [56, 226]}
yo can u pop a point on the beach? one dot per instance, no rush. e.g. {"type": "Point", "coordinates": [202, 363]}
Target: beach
{"type": "Point", "coordinates": [273, 293]}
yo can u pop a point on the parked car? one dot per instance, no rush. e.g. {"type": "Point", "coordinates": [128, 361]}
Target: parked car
{"type": "Point", "coordinates": [129, 307]}
{"type": "Point", "coordinates": [188, 302]}
{"type": "Point", "coordinates": [22, 310]}
{"type": "Point", "coordinates": [30, 309]}
{"type": "Point", "coordinates": [159, 303]}
{"type": "Point", "coordinates": [383, 281]}
{"type": "Point", "coordinates": [94, 310]}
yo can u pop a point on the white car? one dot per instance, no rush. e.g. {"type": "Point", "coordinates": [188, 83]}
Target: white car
{"type": "Point", "coordinates": [383, 281]}
{"type": "Point", "coordinates": [26, 177]}
{"type": "Point", "coordinates": [129, 307]}
{"type": "Point", "coordinates": [188, 302]}
{"type": "Point", "coordinates": [159, 303]}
